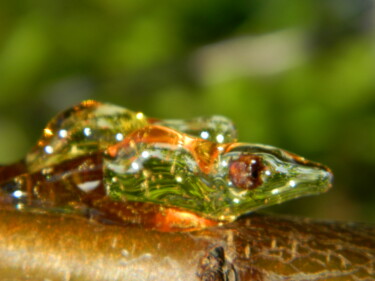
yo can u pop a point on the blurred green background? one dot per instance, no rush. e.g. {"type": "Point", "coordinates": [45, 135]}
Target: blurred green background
{"type": "Point", "coordinates": [293, 74]}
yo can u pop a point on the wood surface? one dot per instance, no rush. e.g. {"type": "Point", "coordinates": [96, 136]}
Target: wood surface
{"type": "Point", "coordinates": [38, 246]}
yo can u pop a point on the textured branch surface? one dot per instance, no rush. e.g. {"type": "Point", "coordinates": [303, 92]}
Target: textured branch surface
{"type": "Point", "coordinates": [256, 247]}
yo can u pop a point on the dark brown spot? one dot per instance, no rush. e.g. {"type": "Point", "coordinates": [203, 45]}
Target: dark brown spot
{"type": "Point", "coordinates": [214, 267]}
{"type": "Point", "coordinates": [244, 172]}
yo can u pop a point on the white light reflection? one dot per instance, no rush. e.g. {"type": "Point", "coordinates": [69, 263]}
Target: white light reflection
{"type": "Point", "coordinates": [139, 115]}
{"type": "Point", "coordinates": [119, 136]}
{"type": "Point", "coordinates": [145, 154]}
{"type": "Point", "coordinates": [275, 191]}
{"type": "Point", "coordinates": [63, 133]}
{"type": "Point", "coordinates": [88, 185]}
{"type": "Point", "coordinates": [18, 194]}
{"type": "Point", "coordinates": [292, 183]}
{"type": "Point", "coordinates": [87, 132]}
{"type": "Point", "coordinates": [219, 138]}
{"type": "Point", "coordinates": [236, 200]}
{"type": "Point", "coordinates": [135, 166]}
{"type": "Point", "coordinates": [20, 206]}
{"type": "Point", "coordinates": [205, 135]}
{"type": "Point", "coordinates": [48, 149]}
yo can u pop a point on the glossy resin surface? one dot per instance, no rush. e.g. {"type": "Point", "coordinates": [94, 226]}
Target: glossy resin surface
{"type": "Point", "coordinates": [120, 165]}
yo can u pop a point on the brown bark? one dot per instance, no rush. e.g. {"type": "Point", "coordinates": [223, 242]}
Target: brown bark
{"type": "Point", "coordinates": [36, 246]}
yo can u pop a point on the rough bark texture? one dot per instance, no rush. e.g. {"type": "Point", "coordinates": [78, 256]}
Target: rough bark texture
{"type": "Point", "coordinates": [256, 247]}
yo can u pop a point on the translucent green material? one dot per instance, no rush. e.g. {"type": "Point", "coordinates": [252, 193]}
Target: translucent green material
{"type": "Point", "coordinates": [207, 177]}
{"type": "Point", "coordinates": [91, 126]}
{"type": "Point", "coordinates": [194, 165]}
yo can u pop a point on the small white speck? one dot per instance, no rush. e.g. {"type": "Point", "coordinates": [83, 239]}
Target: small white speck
{"type": "Point", "coordinates": [18, 194]}
{"type": "Point", "coordinates": [224, 163]}
{"type": "Point", "coordinates": [275, 191]}
{"type": "Point", "coordinates": [87, 132]}
{"type": "Point", "coordinates": [139, 115]}
{"type": "Point", "coordinates": [145, 154]}
{"type": "Point", "coordinates": [20, 206]}
{"type": "Point", "coordinates": [205, 135]}
{"type": "Point", "coordinates": [119, 136]}
{"type": "Point", "coordinates": [125, 253]}
{"type": "Point", "coordinates": [253, 161]}
{"type": "Point", "coordinates": [88, 185]}
{"type": "Point", "coordinates": [146, 256]}
{"type": "Point", "coordinates": [236, 200]}
{"type": "Point", "coordinates": [268, 172]}
{"type": "Point", "coordinates": [48, 149]}
{"type": "Point", "coordinates": [220, 148]}
{"type": "Point", "coordinates": [135, 166]}
{"type": "Point", "coordinates": [219, 138]}
{"type": "Point", "coordinates": [63, 133]}
{"type": "Point", "coordinates": [292, 183]}
{"type": "Point", "coordinates": [179, 179]}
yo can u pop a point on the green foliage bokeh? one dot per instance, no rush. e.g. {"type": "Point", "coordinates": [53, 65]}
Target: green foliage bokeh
{"type": "Point", "coordinates": [293, 74]}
